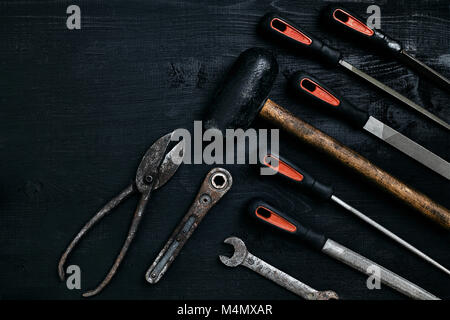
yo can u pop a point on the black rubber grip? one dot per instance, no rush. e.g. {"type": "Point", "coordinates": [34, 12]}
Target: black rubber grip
{"type": "Point", "coordinates": [340, 19]}
{"type": "Point", "coordinates": [286, 32]}
{"type": "Point", "coordinates": [304, 85]}
{"type": "Point", "coordinates": [299, 177]}
{"type": "Point", "coordinates": [268, 214]}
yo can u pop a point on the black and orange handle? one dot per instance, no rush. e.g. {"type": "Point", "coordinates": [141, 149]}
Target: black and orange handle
{"type": "Point", "coordinates": [297, 176]}
{"type": "Point", "coordinates": [284, 31]}
{"type": "Point", "coordinates": [304, 85]}
{"type": "Point", "coordinates": [343, 20]}
{"type": "Point", "coordinates": [266, 213]}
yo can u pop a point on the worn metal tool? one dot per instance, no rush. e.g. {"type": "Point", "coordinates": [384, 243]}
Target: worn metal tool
{"type": "Point", "coordinates": [266, 213]}
{"type": "Point", "coordinates": [155, 169]}
{"type": "Point", "coordinates": [242, 256]}
{"type": "Point", "coordinates": [243, 96]}
{"type": "Point", "coordinates": [283, 30]}
{"type": "Point", "coordinates": [305, 85]}
{"type": "Point", "coordinates": [216, 184]}
{"type": "Point", "coordinates": [343, 20]}
{"type": "Point", "coordinates": [300, 177]}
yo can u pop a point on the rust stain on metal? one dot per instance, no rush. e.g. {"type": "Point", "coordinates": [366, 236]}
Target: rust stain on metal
{"type": "Point", "coordinates": [242, 256]}
{"type": "Point", "coordinates": [155, 169]}
{"type": "Point", "coordinates": [215, 185]}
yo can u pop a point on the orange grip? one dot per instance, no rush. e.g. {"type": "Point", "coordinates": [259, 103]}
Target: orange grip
{"type": "Point", "coordinates": [282, 168]}
{"type": "Point", "coordinates": [319, 92]}
{"type": "Point", "coordinates": [274, 219]}
{"type": "Point", "coordinates": [350, 21]}
{"type": "Point", "coordinates": [289, 31]}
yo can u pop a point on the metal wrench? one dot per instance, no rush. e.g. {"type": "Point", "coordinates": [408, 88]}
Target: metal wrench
{"type": "Point", "coordinates": [242, 256]}
{"type": "Point", "coordinates": [215, 185]}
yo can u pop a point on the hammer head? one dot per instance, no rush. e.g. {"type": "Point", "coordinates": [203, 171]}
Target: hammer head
{"type": "Point", "coordinates": [244, 91]}
{"type": "Point", "coordinates": [239, 255]}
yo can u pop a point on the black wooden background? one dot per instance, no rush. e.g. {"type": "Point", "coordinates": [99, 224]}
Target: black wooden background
{"type": "Point", "coordinates": [79, 108]}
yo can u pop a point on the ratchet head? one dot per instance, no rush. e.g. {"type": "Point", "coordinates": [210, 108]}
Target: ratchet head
{"type": "Point", "coordinates": [239, 255]}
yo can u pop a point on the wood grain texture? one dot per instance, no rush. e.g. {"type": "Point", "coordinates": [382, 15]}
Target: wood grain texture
{"type": "Point", "coordinates": [79, 109]}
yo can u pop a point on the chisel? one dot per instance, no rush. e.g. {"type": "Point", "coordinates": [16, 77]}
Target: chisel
{"type": "Point", "coordinates": [305, 85]}
{"type": "Point", "coordinates": [284, 31]}
{"type": "Point", "coordinates": [268, 214]}
{"type": "Point", "coordinates": [341, 19]}
{"type": "Point", "coordinates": [299, 177]}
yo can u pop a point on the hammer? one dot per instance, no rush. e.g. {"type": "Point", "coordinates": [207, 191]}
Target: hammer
{"type": "Point", "coordinates": [244, 95]}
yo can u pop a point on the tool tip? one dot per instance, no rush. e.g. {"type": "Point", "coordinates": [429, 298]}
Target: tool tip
{"type": "Point", "coordinates": [152, 277]}
{"type": "Point", "coordinates": [61, 271]}
{"type": "Point", "coordinates": [90, 293]}
{"type": "Point", "coordinates": [326, 295]}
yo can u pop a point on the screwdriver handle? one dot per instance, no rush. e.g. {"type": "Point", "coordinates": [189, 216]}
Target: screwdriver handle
{"type": "Point", "coordinates": [343, 20]}
{"type": "Point", "coordinates": [297, 176]}
{"type": "Point", "coordinates": [284, 31]}
{"type": "Point", "coordinates": [304, 85]}
{"type": "Point", "coordinates": [265, 213]}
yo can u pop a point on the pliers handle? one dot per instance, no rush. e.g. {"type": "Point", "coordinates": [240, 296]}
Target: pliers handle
{"type": "Point", "coordinates": [155, 170]}
{"type": "Point", "coordinates": [125, 194]}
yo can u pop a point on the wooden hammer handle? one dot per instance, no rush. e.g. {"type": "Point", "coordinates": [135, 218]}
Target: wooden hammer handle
{"type": "Point", "coordinates": [274, 113]}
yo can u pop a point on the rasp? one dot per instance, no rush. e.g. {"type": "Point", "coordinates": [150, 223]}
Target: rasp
{"type": "Point", "coordinates": [285, 32]}
{"type": "Point", "coordinates": [268, 214]}
{"type": "Point", "coordinates": [307, 86]}
{"type": "Point", "coordinates": [341, 19]}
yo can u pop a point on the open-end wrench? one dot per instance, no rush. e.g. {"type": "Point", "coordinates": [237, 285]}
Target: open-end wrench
{"type": "Point", "coordinates": [241, 256]}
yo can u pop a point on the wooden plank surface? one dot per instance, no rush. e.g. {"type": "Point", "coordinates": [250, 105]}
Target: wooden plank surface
{"type": "Point", "coordinates": [79, 108]}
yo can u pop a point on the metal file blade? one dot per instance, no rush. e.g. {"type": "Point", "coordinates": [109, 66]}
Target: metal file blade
{"type": "Point", "coordinates": [421, 67]}
{"type": "Point", "coordinates": [407, 146]}
{"type": "Point", "coordinates": [388, 233]}
{"type": "Point", "coordinates": [394, 93]}
{"type": "Point", "coordinates": [364, 265]}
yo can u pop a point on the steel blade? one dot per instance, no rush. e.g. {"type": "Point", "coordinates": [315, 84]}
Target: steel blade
{"type": "Point", "coordinates": [170, 164]}
{"type": "Point", "coordinates": [422, 68]}
{"type": "Point", "coordinates": [407, 146]}
{"type": "Point", "coordinates": [366, 266]}
{"type": "Point", "coordinates": [158, 165]}
{"type": "Point", "coordinates": [394, 94]}
{"type": "Point", "coordinates": [388, 233]}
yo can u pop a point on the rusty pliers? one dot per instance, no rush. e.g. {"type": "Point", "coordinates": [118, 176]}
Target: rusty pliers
{"type": "Point", "coordinates": [155, 169]}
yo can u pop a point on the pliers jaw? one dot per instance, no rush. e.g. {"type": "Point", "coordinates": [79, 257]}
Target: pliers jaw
{"type": "Point", "coordinates": [157, 167]}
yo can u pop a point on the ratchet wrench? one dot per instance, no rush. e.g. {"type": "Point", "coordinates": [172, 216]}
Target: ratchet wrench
{"type": "Point", "coordinates": [215, 185]}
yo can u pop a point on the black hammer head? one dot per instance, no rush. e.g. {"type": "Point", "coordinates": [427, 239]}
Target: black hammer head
{"type": "Point", "coordinates": [243, 91]}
